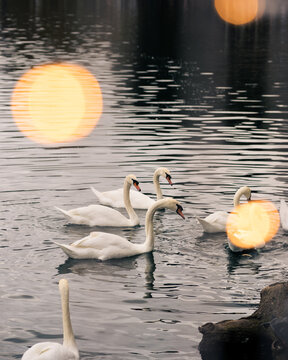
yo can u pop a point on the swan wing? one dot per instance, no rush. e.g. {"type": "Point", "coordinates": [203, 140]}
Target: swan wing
{"type": "Point", "coordinates": [102, 246]}
{"type": "Point", "coordinates": [114, 198]}
{"type": "Point", "coordinates": [49, 351]}
{"type": "Point", "coordinates": [100, 240]}
{"type": "Point", "coordinates": [140, 201]}
{"type": "Point", "coordinates": [284, 214]}
{"type": "Point", "coordinates": [97, 215]}
{"type": "Point", "coordinates": [219, 217]}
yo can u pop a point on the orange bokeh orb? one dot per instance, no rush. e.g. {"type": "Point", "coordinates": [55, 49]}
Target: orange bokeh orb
{"type": "Point", "coordinates": [238, 12]}
{"type": "Point", "coordinates": [252, 224]}
{"type": "Point", "coordinates": [56, 103]}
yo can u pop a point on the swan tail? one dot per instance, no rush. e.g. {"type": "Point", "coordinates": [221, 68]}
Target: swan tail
{"type": "Point", "coordinates": [207, 227]}
{"type": "Point", "coordinates": [96, 192]}
{"type": "Point", "coordinates": [75, 252]}
{"type": "Point", "coordinates": [66, 213]}
{"type": "Point", "coordinates": [104, 199]}
{"type": "Point", "coordinates": [68, 249]}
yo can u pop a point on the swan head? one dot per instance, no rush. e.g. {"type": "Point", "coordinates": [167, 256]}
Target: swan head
{"type": "Point", "coordinates": [132, 180]}
{"type": "Point", "coordinates": [164, 172]}
{"type": "Point", "coordinates": [172, 204]}
{"type": "Point", "coordinates": [244, 190]}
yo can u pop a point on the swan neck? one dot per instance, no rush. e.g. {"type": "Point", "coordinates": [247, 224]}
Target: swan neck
{"type": "Point", "coordinates": [68, 335]}
{"type": "Point", "coordinates": [127, 202]}
{"type": "Point", "coordinates": [157, 186]}
{"type": "Point", "coordinates": [149, 242]}
{"type": "Point", "coordinates": [237, 197]}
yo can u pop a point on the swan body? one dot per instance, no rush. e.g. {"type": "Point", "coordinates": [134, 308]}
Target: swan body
{"type": "Point", "coordinates": [241, 237]}
{"type": "Point", "coordinates": [114, 198]}
{"type": "Point", "coordinates": [48, 351]}
{"type": "Point", "coordinates": [216, 222]}
{"type": "Point", "coordinates": [105, 246]}
{"type": "Point", "coordinates": [283, 215]}
{"type": "Point", "coordinates": [248, 234]}
{"type": "Point", "coordinates": [99, 215]}
{"type": "Point", "coordinates": [55, 351]}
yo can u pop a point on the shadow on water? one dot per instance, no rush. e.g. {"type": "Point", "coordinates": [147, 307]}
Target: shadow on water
{"type": "Point", "coordinates": [217, 241]}
{"type": "Point", "coordinates": [242, 259]}
{"type": "Point", "coordinates": [235, 260]}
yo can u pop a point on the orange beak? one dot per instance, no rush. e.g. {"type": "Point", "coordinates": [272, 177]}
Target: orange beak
{"type": "Point", "coordinates": [137, 186]}
{"type": "Point", "coordinates": [179, 211]}
{"type": "Point", "coordinates": [168, 178]}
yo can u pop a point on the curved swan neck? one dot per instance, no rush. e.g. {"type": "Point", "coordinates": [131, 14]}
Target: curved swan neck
{"type": "Point", "coordinates": [239, 193]}
{"type": "Point", "coordinates": [68, 335]}
{"type": "Point", "coordinates": [126, 198]}
{"type": "Point", "coordinates": [149, 242]}
{"type": "Point", "coordinates": [157, 185]}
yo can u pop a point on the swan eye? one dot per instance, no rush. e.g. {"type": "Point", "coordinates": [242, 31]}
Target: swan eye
{"type": "Point", "coordinates": [168, 178]}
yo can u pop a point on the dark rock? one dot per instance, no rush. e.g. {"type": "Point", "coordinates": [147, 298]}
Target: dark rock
{"type": "Point", "coordinates": [260, 336]}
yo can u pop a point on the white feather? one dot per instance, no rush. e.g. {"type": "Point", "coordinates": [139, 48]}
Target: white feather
{"type": "Point", "coordinates": [104, 246]}
{"type": "Point", "coordinates": [114, 198]}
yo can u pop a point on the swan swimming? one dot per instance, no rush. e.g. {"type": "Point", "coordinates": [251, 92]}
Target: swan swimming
{"type": "Point", "coordinates": [99, 215]}
{"type": "Point", "coordinates": [114, 198]}
{"type": "Point", "coordinates": [105, 246]}
{"type": "Point", "coordinates": [283, 211]}
{"type": "Point", "coordinates": [55, 351]}
{"type": "Point", "coordinates": [216, 222]}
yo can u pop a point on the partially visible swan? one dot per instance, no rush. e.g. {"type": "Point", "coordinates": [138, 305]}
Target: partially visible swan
{"type": "Point", "coordinates": [55, 351]}
{"type": "Point", "coordinates": [105, 246]}
{"type": "Point", "coordinates": [99, 215]}
{"type": "Point", "coordinates": [216, 222]}
{"type": "Point", "coordinates": [114, 198]}
{"type": "Point", "coordinates": [283, 215]}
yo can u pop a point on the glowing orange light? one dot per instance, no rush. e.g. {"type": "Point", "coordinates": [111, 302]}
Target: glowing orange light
{"type": "Point", "coordinates": [253, 224]}
{"type": "Point", "coordinates": [56, 103]}
{"type": "Point", "coordinates": [238, 12]}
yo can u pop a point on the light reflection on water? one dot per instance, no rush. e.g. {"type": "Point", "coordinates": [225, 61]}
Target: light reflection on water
{"type": "Point", "coordinates": [215, 129]}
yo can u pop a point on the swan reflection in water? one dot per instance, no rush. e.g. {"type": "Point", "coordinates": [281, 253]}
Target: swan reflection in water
{"type": "Point", "coordinates": [112, 267]}
{"type": "Point", "coordinates": [243, 260]}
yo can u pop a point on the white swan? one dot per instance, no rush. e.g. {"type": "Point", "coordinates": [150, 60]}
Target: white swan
{"type": "Point", "coordinates": [216, 222]}
{"type": "Point", "coordinates": [283, 211]}
{"type": "Point", "coordinates": [251, 234]}
{"type": "Point", "coordinates": [114, 198]}
{"type": "Point", "coordinates": [105, 246]}
{"type": "Point", "coordinates": [99, 215]}
{"type": "Point", "coordinates": [51, 350]}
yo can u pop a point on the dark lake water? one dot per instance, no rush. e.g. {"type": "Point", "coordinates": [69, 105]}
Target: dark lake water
{"type": "Point", "coordinates": [181, 89]}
